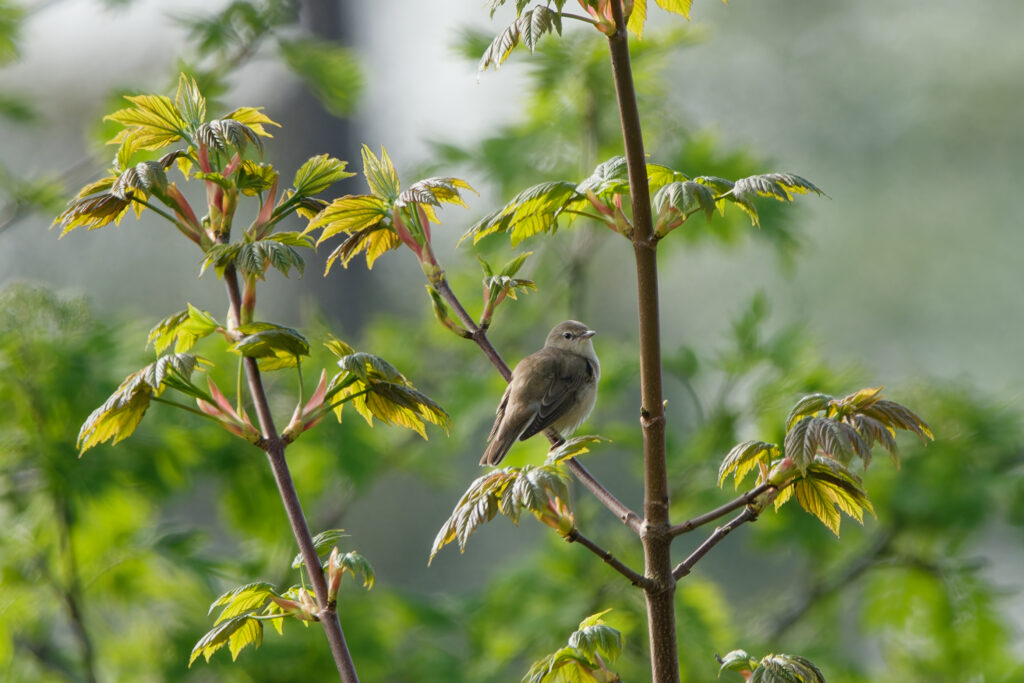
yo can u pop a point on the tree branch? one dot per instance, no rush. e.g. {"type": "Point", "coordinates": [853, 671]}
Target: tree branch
{"type": "Point", "coordinates": [691, 524]}
{"type": "Point", "coordinates": [636, 579]}
{"type": "Point", "coordinates": [274, 448]}
{"type": "Point", "coordinates": [749, 514]}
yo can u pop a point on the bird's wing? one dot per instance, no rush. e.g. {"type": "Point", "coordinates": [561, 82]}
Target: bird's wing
{"type": "Point", "coordinates": [567, 373]}
{"type": "Point", "coordinates": [500, 412]}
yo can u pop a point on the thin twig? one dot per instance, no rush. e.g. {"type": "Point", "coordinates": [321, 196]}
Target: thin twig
{"type": "Point", "coordinates": [749, 514]}
{"type": "Point", "coordinates": [636, 579]}
{"type": "Point", "coordinates": [712, 515]}
{"type": "Point", "coordinates": [625, 515]}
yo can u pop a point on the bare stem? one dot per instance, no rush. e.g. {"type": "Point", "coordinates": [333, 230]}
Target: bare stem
{"type": "Point", "coordinates": [274, 448]}
{"type": "Point", "coordinates": [749, 514]}
{"type": "Point", "coordinates": [691, 524]}
{"type": "Point", "coordinates": [636, 579]}
{"type": "Point", "coordinates": [661, 623]}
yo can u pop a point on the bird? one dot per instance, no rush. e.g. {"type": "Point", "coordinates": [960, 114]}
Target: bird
{"type": "Point", "coordinates": [552, 389]}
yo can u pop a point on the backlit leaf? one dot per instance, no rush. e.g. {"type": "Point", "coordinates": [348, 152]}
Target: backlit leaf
{"type": "Point", "coordinates": [152, 123]}
{"type": "Point", "coordinates": [532, 211]}
{"type": "Point", "coordinates": [190, 102]}
{"type": "Point", "coordinates": [380, 174]}
{"type": "Point", "coordinates": [266, 340]}
{"type": "Point", "coordinates": [318, 174]}
{"type": "Point", "coordinates": [351, 214]}
{"type": "Point", "coordinates": [237, 633]}
{"type": "Point", "coordinates": [254, 119]}
{"type": "Point", "coordinates": [744, 457]}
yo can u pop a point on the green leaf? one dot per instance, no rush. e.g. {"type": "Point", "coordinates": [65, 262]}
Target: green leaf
{"type": "Point", "coordinates": [528, 28]}
{"type": "Point", "coordinates": [227, 134]}
{"type": "Point", "coordinates": [356, 564]}
{"type": "Point", "coordinates": [610, 177]}
{"type": "Point", "coordinates": [323, 540]}
{"type": "Point", "coordinates": [737, 660]}
{"type": "Point", "coordinates": [241, 600]}
{"type": "Point", "coordinates": [152, 123]}
{"type": "Point", "coordinates": [350, 214]}
{"type": "Point", "coordinates": [786, 669]}
{"type": "Point", "coordinates": [252, 178]}
{"type": "Point", "coordinates": [434, 192]}
{"type": "Point", "coordinates": [182, 330]}
{"type": "Point", "coordinates": [254, 119]}
{"type": "Point", "coordinates": [779, 186]}
{"type": "Point", "coordinates": [508, 491]}
{"type": "Point", "coordinates": [681, 199]}
{"type": "Point", "coordinates": [595, 638]}
{"type": "Point", "coordinates": [190, 102]}
{"type": "Point", "coordinates": [575, 446]}
{"type": "Point", "coordinates": [813, 497]}
{"type": "Point", "coordinates": [745, 457]}
{"type": "Point", "coordinates": [121, 413]}
{"type": "Point", "coordinates": [332, 72]}
{"type": "Point", "coordinates": [318, 174]}
{"type": "Point", "coordinates": [377, 389]}
{"type": "Point", "coordinates": [237, 633]}
{"type": "Point", "coordinates": [276, 346]}
{"type": "Point", "coordinates": [532, 211]}
{"type": "Point", "coordinates": [380, 174]}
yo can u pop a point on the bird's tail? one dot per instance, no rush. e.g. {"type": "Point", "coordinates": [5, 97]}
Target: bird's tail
{"type": "Point", "coordinates": [497, 449]}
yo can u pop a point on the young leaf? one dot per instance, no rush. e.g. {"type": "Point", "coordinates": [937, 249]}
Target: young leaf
{"type": "Point", "coordinates": [745, 457]}
{"type": "Point", "coordinates": [322, 540]}
{"type": "Point", "coordinates": [318, 174]}
{"type": "Point", "coordinates": [528, 27]}
{"type": "Point", "coordinates": [153, 123]}
{"type": "Point", "coordinates": [269, 341]}
{"type": "Point", "coordinates": [577, 445]}
{"type": "Point", "coordinates": [380, 174]}
{"type": "Point", "coordinates": [237, 633]}
{"type": "Point", "coordinates": [434, 192]}
{"type": "Point", "coordinates": [509, 490]}
{"type": "Point", "coordinates": [182, 330]}
{"type": "Point", "coordinates": [532, 211]}
{"type": "Point", "coordinates": [238, 601]}
{"type": "Point", "coordinates": [121, 413]}
{"type": "Point", "coordinates": [254, 119]}
{"type": "Point", "coordinates": [226, 134]}
{"type": "Point", "coordinates": [595, 638]}
{"type": "Point", "coordinates": [190, 102]}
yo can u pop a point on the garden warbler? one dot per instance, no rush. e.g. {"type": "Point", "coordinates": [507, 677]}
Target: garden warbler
{"type": "Point", "coordinates": [552, 389]}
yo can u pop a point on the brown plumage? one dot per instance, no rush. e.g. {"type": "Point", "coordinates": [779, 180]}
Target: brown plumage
{"type": "Point", "coordinates": [554, 388]}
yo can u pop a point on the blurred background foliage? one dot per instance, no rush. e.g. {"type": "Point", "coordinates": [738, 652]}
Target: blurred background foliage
{"type": "Point", "coordinates": [108, 563]}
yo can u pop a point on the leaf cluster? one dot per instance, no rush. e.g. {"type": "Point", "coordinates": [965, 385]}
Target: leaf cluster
{"type": "Point", "coordinates": [823, 435]}
{"type": "Point", "coordinates": [583, 659]}
{"type": "Point", "coordinates": [772, 668]}
{"type": "Point", "coordinates": [603, 194]}
{"type": "Point", "coordinates": [542, 490]}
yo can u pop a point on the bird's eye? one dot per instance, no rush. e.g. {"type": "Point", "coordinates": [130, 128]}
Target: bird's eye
{"type": "Point", "coordinates": [567, 335]}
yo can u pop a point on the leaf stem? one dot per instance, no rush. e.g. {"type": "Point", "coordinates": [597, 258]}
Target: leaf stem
{"type": "Point", "coordinates": [190, 409]}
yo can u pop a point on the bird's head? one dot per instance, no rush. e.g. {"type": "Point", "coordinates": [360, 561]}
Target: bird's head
{"type": "Point", "coordinates": [571, 335]}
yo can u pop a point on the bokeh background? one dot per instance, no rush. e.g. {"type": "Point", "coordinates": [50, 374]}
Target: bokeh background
{"type": "Point", "coordinates": [907, 275]}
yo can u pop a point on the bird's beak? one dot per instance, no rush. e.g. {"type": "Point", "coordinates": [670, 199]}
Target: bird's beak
{"type": "Point", "coordinates": [588, 334]}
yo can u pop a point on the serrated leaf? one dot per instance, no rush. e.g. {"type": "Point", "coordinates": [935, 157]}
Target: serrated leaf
{"type": "Point", "coordinates": [684, 198]}
{"type": "Point", "coordinates": [252, 178]}
{"type": "Point", "coordinates": [737, 660]}
{"type": "Point", "coordinates": [254, 118]}
{"type": "Point", "coordinates": [812, 496]}
{"type": "Point", "coordinates": [611, 176]}
{"type": "Point", "coordinates": [597, 639]}
{"type": "Point", "coordinates": [266, 340]}
{"type": "Point", "coordinates": [121, 413]}
{"type": "Point", "coordinates": [532, 211]}
{"type": "Point", "coordinates": [435, 192]}
{"type": "Point", "coordinates": [190, 102]}
{"type": "Point", "coordinates": [318, 174]}
{"type": "Point", "coordinates": [93, 212]}
{"type": "Point", "coordinates": [575, 446]}
{"type": "Point", "coordinates": [351, 213]}
{"type": "Point", "coordinates": [356, 564]}
{"type": "Point", "coordinates": [237, 633]}
{"type": "Point", "coordinates": [811, 404]}
{"type": "Point", "coordinates": [786, 669]}
{"type": "Point", "coordinates": [743, 458]}
{"type": "Point", "coordinates": [380, 174]}
{"type": "Point", "coordinates": [227, 134]}
{"type": "Point", "coordinates": [242, 599]}
{"type": "Point", "coordinates": [322, 540]}
{"type": "Point", "coordinates": [508, 491]}
{"type": "Point", "coordinates": [152, 123]}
